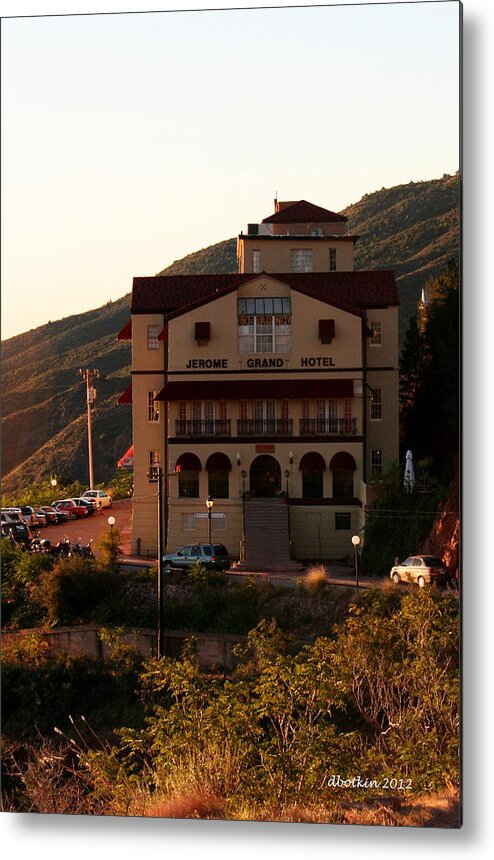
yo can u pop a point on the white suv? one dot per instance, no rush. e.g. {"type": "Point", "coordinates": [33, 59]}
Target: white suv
{"type": "Point", "coordinates": [102, 499]}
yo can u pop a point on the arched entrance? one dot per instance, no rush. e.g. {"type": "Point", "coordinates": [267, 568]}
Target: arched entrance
{"type": "Point", "coordinates": [265, 477]}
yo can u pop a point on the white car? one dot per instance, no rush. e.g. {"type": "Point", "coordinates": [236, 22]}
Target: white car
{"type": "Point", "coordinates": [102, 499]}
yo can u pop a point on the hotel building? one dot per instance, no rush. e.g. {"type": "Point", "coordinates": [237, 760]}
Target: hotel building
{"type": "Point", "coordinates": [273, 390]}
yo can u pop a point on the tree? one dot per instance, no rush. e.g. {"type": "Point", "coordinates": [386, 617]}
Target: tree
{"type": "Point", "coordinates": [430, 375]}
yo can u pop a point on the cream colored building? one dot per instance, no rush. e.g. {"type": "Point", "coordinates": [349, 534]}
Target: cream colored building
{"type": "Point", "coordinates": [279, 381]}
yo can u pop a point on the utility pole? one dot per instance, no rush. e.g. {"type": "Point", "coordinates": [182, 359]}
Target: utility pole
{"type": "Point", "coordinates": [90, 398]}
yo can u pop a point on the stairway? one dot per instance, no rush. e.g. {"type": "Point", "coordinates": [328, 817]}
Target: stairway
{"type": "Point", "coordinates": [267, 537]}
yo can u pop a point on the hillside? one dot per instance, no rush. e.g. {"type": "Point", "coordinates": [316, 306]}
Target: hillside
{"type": "Point", "coordinates": [413, 229]}
{"type": "Point", "coordinates": [44, 424]}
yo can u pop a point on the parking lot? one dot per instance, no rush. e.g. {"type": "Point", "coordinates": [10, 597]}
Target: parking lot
{"type": "Point", "coordinates": [92, 527]}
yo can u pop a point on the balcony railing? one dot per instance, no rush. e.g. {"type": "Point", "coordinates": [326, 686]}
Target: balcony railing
{"type": "Point", "coordinates": [328, 427]}
{"type": "Point", "coordinates": [264, 427]}
{"type": "Point", "coordinates": [205, 427]}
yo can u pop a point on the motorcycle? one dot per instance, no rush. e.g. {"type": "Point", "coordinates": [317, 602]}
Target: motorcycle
{"type": "Point", "coordinates": [84, 551]}
{"type": "Point", "coordinates": [62, 549]}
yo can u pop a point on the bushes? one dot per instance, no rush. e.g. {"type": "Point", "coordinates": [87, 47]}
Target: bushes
{"type": "Point", "coordinates": [41, 689]}
{"type": "Point", "coordinates": [21, 572]}
{"type": "Point", "coordinates": [75, 591]}
{"type": "Point", "coordinates": [380, 700]}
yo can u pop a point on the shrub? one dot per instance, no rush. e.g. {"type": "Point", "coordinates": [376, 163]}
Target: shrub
{"type": "Point", "coordinates": [73, 591]}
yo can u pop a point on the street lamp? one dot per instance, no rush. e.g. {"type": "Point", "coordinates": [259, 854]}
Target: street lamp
{"type": "Point", "coordinates": [53, 481]}
{"type": "Point", "coordinates": [111, 522]}
{"type": "Point", "coordinates": [356, 543]}
{"type": "Point", "coordinates": [209, 505]}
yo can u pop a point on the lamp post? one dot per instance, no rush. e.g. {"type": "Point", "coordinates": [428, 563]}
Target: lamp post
{"type": "Point", "coordinates": [209, 505]}
{"type": "Point", "coordinates": [53, 481]}
{"type": "Point", "coordinates": [356, 543]}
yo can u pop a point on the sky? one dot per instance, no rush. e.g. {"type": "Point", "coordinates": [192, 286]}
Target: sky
{"type": "Point", "coordinates": [131, 140]}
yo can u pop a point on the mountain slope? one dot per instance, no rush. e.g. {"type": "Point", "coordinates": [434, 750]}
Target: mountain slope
{"type": "Point", "coordinates": [413, 229]}
{"type": "Point", "coordinates": [44, 426]}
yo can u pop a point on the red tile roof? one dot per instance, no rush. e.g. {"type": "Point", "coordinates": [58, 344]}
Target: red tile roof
{"type": "Point", "coordinates": [173, 295]}
{"type": "Point", "coordinates": [300, 211]}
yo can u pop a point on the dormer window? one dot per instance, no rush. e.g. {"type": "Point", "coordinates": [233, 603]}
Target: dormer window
{"type": "Point", "coordinates": [264, 325]}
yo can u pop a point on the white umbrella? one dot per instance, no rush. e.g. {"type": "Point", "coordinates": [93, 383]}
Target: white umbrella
{"type": "Point", "coordinates": [409, 479]}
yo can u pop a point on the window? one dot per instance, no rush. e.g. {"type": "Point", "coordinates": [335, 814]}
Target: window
{"type": "Point", "coordinates": [189, 522]}
{"type": "Point", "coordinates": [301, 260]}
{"type": "Point", "coordinates": [376, 461]}
{"type": "Point", "coordinates": [218, 467]}
{"type": "Point", "coordinates": [376, 404]}
{"type": "Point", "coordinates": [256, 261]}
{"type": "Point", "coordinates": [312, 466]}
{"type": "Point", "coordinates": [265, 325]}
{"type": "Point", "coordinates": [343, 521]}
{"type": "Point", "coordinates": [218, 524]}
{"type": "Point", "coordinates": [342, 483]}
{"type": "Point", "coordinates": [153, 460]}
{"type": "Point", "coordinates": [376, 329]}
{"type": "Point", "coordinates": [153, 332]}
{"type": "Point", "coordinates": [343, 467]}
{"type": "Point", "coordinates": [332, 259]}
{"type": "Point", "coordinates": [153, 407]}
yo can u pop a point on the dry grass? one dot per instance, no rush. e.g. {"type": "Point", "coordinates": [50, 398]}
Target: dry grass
{"type": "Point", "coordinates": [194, 804]}
{"type": "Point", "coordinates": [315, 579]}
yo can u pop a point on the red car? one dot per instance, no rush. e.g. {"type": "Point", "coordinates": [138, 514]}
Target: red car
{"type": "Point", "coordinates": [74, 511]}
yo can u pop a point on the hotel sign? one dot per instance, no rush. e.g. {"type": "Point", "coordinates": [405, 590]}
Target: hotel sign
{"type": "Point", "coordinates": [258, 363]}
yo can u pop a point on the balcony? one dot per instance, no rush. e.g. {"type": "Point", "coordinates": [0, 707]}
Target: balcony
{"type": "Point", "coordinates": [328, 427]}
{"type": "Point", "coordinates": [206, 428]}
{"type": "Point", "coordinates": [264, 427]}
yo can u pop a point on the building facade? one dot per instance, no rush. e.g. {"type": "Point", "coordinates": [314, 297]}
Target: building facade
{"type": "Point", "coordinates": [276, 382]}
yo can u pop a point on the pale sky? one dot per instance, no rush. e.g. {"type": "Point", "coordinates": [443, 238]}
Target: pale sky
{"type": "Point", "coordinates": [131, 140]}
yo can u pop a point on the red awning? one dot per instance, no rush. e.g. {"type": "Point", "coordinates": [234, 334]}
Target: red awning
{"type": "Point", "coordinates": [218, 462]}
{"type": "Point", "coordinates": [126, 397]}
{"type": "Point", "coordinates": [127, 459]}
{"type": "Point", "coordinates": [188, 463]}
{"type": "Point", "coordinates": [342, 460]}
{"type": "Point", "coordinates": [163, 335]}
{"type": "Point", "coordinates": [312, 460]}
{"type": "Point", "coordinates": [246, 389]}
{"type": "Point", "coordinates": [126, 332]}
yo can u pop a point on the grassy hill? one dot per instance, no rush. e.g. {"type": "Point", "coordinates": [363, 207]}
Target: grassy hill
{"type": "Point", "coordinates": [413, 229]}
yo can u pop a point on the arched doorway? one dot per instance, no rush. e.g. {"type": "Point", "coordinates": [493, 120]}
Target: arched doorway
{"type": "Point", "coordinates": [265, 477]}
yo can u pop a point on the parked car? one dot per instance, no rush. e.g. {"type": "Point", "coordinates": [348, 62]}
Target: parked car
{"type": "Point", "coordinates": [11, 515]}
{"type": "Point", "coordinates": [41, 520]}
{"type": "Point", "coordinates": [212, 556]}
{"type": "Point", "coordinates": [28, 515]}
{"type": "Point", "coordinates": [72, 509]}
{"type": "Point", "coordinates": [53, 516]}
{"type": "Point", "coordinates": [18, 532]}
{"type": "Point", "coordinates": [102, 499]}
{"type": "Point", "coordinates": [419, 569]}
{"type": "Point", "coordinates": [90, 504]}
